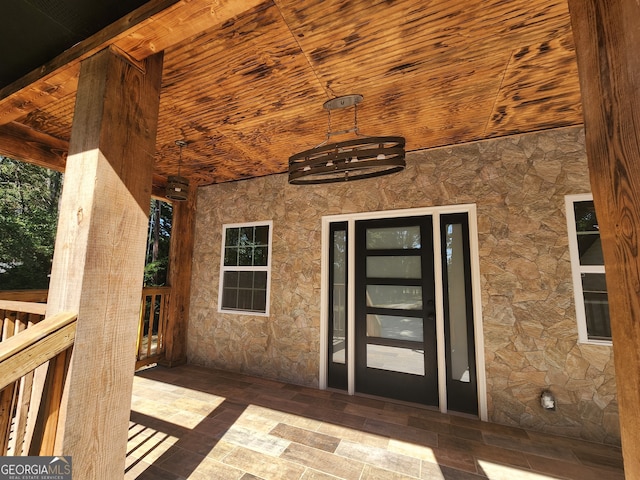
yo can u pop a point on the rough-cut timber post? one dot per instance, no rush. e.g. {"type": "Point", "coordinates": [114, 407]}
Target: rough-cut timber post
{"type": "Point", "coordinates": [180, 258]}
{"type": "Point", "coordinates": [99, 254]}
{"type": "Point", "coordinates": [607, 35]}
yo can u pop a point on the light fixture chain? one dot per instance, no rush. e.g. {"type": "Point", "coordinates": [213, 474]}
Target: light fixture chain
{"type": "Point", "coordinates": [355, 119]}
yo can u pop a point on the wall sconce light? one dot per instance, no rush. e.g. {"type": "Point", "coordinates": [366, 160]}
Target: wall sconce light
{"type": "Point", "coordinates": [361, 157]}
{"type": "Point", "coordinates": [547, 400]}
{"type": "Point", "coordinates": [177, 186]}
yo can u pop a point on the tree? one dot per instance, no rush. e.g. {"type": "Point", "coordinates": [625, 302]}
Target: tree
{"type": "Point", "coordinates": [28, 218]}
{"type": "Point", "coordinates": [29, 197]}
{"type": "Point", "coordinates": [157, 258]}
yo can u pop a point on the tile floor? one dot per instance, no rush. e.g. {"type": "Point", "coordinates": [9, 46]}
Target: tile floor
{"type": "Point", "coordinates": [195, 423]}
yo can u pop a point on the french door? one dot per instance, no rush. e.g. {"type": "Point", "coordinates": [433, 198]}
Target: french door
{"type": "Point", "coordinates": [401, 287]}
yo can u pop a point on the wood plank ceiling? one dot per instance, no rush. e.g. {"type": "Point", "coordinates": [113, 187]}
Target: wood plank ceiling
{"type": "Point", "coordinates": [244, 82]}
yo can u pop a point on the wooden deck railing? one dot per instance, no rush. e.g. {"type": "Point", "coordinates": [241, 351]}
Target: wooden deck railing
{"type": "Point", "coordinates": [152, 324]}
{"type": "Point", "coordinates": [34, 359]}
{"type": "Point", "coordinates": [151, 327]}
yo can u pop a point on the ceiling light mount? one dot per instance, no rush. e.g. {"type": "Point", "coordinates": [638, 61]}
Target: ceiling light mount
{"type": "Point", "coordinates": [177, 186]}
{"type": "Point", "coordinates": [358, 158]}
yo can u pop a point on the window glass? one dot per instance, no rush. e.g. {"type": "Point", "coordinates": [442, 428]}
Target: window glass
{"type": "Point", "coordinates": [393, 237]}
{"type": "Point", "coordinates": [403, 297]}
{"type": "Point", "coordinates": [395, 327]}
{"type": "Point", "coordinates": [588, 234]}
{"type": "Point", "coordinates": [395, 359]}
{"type": "Point", "coordinates": [587, 263]}
{"type": "Point", "coordinates": [245, 269]}
{"type": "Point", "coordinates": [596, 306]}
{"type": "Point", "coordinates": [394, 267]}
{"type": "Point", "coordinates": [457, 308]}
{"type": "Point", "coordinates": [339, 297]}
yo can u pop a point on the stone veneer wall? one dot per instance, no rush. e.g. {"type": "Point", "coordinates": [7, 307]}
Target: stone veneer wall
{"type": "Point", "coordinates": [518, 184]}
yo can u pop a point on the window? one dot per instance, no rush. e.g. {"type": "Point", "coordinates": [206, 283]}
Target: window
{"type": "Point", "coordinates": [587, 265]}
{"type": "Point", "coordinates": [246, 268]}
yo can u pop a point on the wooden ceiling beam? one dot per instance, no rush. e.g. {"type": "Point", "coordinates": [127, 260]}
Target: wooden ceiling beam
{"type": "Point", "coordinates": [23, 143]}
{"type": "Point", "coordinates": [152, 28]}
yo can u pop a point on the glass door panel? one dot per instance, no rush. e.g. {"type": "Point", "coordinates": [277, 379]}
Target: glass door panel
{"type": "Point", "coordinates": [386, 238]}
{"type": "Point", "coordinates": [394, 266]}
{"type": "Point", "coordinates": [405, 297]}
{"type": "Point", "coordinates": [393, 326]}
{"type": "Point", "coordinates": [337, 368]}
{"type": "Point", "coordinates": [458, 308]}
{"type": "Point", "coordinates": [395, 359]}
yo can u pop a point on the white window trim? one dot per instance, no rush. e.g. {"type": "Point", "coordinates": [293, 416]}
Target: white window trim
{"type": "Point", "coordinates": [470, 209]}
{"type": "Point", "coordinates": [577, 269]}
{"type": "Point", "coordinates": [266, 268]}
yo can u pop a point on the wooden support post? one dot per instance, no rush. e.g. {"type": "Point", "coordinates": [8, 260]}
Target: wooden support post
{"type": "Point", "coordinates": [99, 254]}
{"type": "Point", "coordinates": [180, 258]}
{"type": "Point", "coordinates": [607, 45]}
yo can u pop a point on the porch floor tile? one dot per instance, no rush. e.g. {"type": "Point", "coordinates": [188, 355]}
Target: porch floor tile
{"type": "Point", "coordinates": [191, 422]}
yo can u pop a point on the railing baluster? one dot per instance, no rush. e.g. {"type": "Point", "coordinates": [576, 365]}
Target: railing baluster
{"type": "Point", "coordinates": [53, 397]}
{"type": "Point", "coordinates": [20, 355]}
{"type": "Point", "coordinates": [152, 325]}
{"type": "Point", "coordinates": [8, 394]}
{"type": "Point", "coordinates": [152, 299]}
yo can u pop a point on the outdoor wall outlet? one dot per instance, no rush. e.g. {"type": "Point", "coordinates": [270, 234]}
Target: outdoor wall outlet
{"type": "Point", "coordinates": [547, 400]}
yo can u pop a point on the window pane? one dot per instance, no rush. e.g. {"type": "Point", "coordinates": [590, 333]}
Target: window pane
{"type": "Point", "coordinates": [396, 327]}
{"type": "Point", "coordinates": [245, 299]}
{"type": "Point", "coordinates": [245, 291]}
{"type": "Point", "coordinates": [245, 256]}
{"type": "Point", "coordinates": [260, 280]}
{"type": "Point", "coordinates": [231, 239]}
{"type": "Point", "coordinates": [231, 256]}
{"type": "Point", "coordinates": [246, 236]}
{"type": "Point", "coordinates": [260, 256]}
{"type": "Point", "coordinates": [339, 297]}
{"type": "Point", "coordinates": [394, 267]}
{"type": "Point", "coordinates": [393, 237]}
{"type": "Point", "coordinates": [394, 296]}
{"type": "Point", "coordinates": [246, 280]}
{"type": "Point", "coordinates": [230, 298]}
{"type": "Point", "coordinates": [259, 301]}
{"type": "Point", "coordinates": [231, 279]}
{"type": "Point", "coordinates": [585, 215]}
{"type": "Point", "coordinates": [395, 359]}
{"type": "Point", "coordinates": [262, 235]}
{"type": "Point", "coordinates": [457, 311]}
{"type": "Point", "coordinates": [590, 249]}
{"type": "Point", "coordinates": [596, 306]}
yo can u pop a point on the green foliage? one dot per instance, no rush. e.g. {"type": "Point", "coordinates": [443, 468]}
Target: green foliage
{"type": "Point", "coordinates": [158, 240]}
{"type": "Point", "coordinates": [29, 197]}
{"type": "Point", "coordinates": [28, 216]}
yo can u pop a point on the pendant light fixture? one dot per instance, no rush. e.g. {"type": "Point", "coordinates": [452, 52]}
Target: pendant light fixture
{"type": "Point", "coordinates": [358, 158]}
{"type": "Point", "coordinates": [177, 186]}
